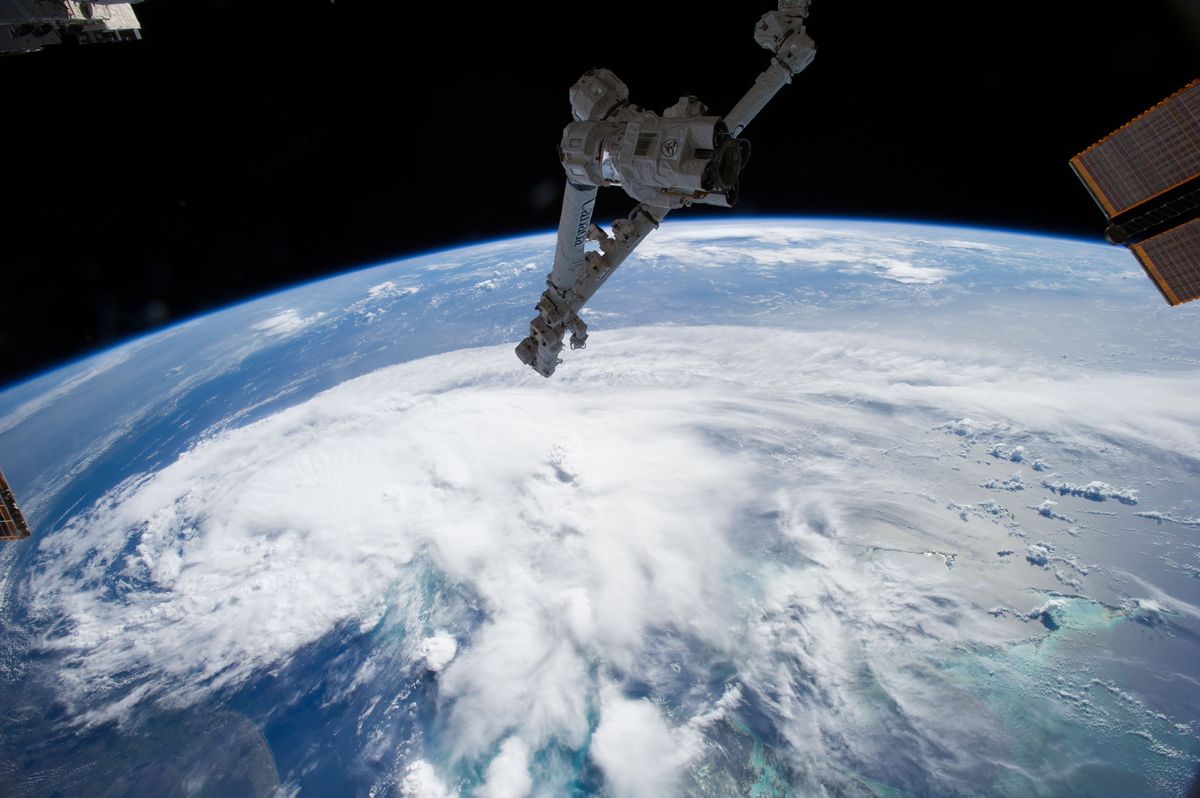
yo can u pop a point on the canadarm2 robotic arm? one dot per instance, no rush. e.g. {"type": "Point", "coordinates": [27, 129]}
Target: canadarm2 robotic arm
{"type": "Point", "coordinates": [782, 32]}
{"type": "Point", "coordinates": [578, 274]}
{"type": "Point", "coordinates": [681, 158]}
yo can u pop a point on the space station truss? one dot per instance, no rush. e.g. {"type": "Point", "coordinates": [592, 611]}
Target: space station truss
{"type": "Point", "coordinates": [1145, 176]}
{"type": "Point", "coordinates": [27, 26]}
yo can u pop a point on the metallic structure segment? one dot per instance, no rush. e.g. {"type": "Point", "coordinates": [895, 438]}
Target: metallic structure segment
{"type": "Point", "coordinates": [27, 26]}
{"type": "Point", "coordinates": [782, 32]}
{"type": "Point", "coordinates": [680, 158]}
{"type": "Point", "coordinates": [12, 523]}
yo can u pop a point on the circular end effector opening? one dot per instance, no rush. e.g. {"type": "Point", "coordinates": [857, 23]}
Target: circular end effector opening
{"type": "Point", "coordinates": [729, 159]}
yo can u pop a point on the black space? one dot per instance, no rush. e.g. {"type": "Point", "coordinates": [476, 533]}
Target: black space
{"type": "Point", "coordinates": [246, 146]}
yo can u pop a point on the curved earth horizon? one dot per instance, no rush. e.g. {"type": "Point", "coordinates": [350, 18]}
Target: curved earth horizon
{"type": "Point", "coordinates": [825, 507]}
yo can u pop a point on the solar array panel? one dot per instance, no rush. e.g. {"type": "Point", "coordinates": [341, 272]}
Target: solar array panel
{"type": "Point", "coordinates": [1149, 156]}
{"type": "Point", "coordinates": [12, 524]}
{"type": "Point", "coordinates": [1172, 259]}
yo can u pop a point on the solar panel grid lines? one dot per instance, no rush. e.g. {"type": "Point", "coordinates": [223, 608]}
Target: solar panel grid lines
{"type": "Point", "coordinates": [1172, 259]}
{"type": "Point", "coordinates": [1147, 157]}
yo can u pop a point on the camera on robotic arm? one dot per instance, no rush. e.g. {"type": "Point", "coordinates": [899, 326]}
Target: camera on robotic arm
{"type": "Point", "coordinates": [681, 158]}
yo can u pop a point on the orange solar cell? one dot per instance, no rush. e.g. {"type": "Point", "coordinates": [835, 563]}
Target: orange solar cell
{"type": "Point", "coordinates": [12, 523]}
{"type": "Point", "coordinates": [1172, 259]}
{"type": "Point", "coordinates": [1147, 157]}
{"type": "Point", "coordinates": [1146, 178]}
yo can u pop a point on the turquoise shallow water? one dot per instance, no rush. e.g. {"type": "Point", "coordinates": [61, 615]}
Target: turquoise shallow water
{"type": "Point", "coordinates": [781, 528]}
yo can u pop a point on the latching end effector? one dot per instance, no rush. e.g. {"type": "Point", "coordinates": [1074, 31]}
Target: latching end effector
{"type": "Point", "coordinates": [782, 32]}
{"type": "Point", "coordinates": [556, 317]}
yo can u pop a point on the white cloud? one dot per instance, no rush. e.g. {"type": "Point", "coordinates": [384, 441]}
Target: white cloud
{"type": "Point", "coordinates": [790, 245]}
{"type": "Point", "coordinates": [640, 753]}
{"type": "Point", "coordinates": [625, 504]}
{"type": "Point", "coordinates": [421, 781]}
{"type": "Point", "coordinates": [1046, 510]}
{"type": "Point", "coordinates": [439, 650]}
{"type": "Point", "coordinates": [978, 246]}
{"type": "Point", "coordinates": [1158, 515]}
{"type": "Point", "coordinates": [1095, 490]}
{"type": "Point", "coordinates": [508, 774]}
{"type": "Point", "coordinates": [1012, 483]}
{"type": "Point", "coordinates": [905, 272]}
{"type": "Point", "coordinates": [384, 288]}
{"type": "Point", "coordinates": [286, 322]}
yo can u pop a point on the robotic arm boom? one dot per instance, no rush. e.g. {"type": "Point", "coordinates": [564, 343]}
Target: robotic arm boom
{"type": "Point", "coordinates": [681, 158]}
{"type": "Point", "coordinates": [782, 32]}
{"type": "Point", "coordinates": [578, 274]}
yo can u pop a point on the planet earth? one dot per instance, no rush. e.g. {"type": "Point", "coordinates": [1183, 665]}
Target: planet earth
{"type": "Point", "coordinates": [825, 508]}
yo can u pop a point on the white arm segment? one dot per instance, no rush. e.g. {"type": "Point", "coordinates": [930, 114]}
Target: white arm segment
{"type": "Point", "coordinates": [576, 276]}
{"type": "Point", "coordinates": [577, 206]}
{"type": "Point", "coordinates": [781, 32]}
{"type": "Point", "coordinates": [673, 161]}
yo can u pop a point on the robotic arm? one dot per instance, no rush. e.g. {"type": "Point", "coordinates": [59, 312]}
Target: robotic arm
{"type": "Point", "coordinates": [781, 32]}
{"type": "Point", "coordinates": [681, 158]}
